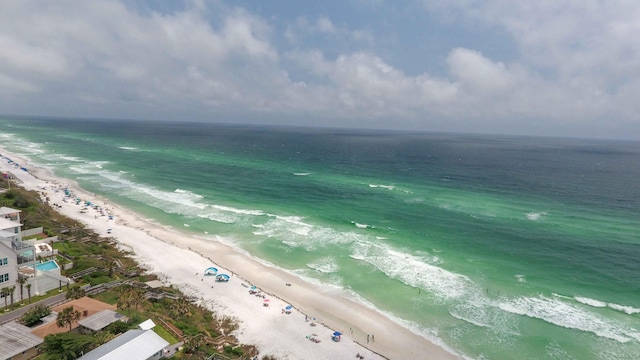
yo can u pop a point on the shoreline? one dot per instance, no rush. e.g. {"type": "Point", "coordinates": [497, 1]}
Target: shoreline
{"type": "Point", "coordinates": [176, 257]}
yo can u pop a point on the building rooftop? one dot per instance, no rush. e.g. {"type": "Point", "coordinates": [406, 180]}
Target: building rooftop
{"type": "Point", "coordinates": [9, 224]}
{"type": "Point", "coordinates": [147, 325]}
{"type": "Point", "coordinates": [8, 211]}
{"type": "Point", "coordinates": [87, 307]}
{"type": "Point", "coordinates": [15, 339]}
{"type": "Point", "coordinates": [154, 284]}
{"type": "Point", "coordinates": [133, 345]}
{"type": "Point", "coordinates": [101, 319]}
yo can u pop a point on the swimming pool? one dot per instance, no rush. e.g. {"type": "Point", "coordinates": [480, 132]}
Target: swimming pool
{"type": "Point", "coordinates": [47, 266]}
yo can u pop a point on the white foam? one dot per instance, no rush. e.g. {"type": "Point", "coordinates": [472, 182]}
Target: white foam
{"type": "Point", "coordinates": [476, 320]}
{"type": "Point", "coordinates": [219, 217]}
{"type": "Point", "coordinates": [89, 167]}
{"type": "Point", "coordinates": [238, 211]}
{"type": "Point", "coordinates": [626, 309]}
{"type": "Point", "coordinates": [521, 278]}
{"type": "Point", "coordinates": [301, 174]}
{"type": "Point", "coordinates": [590, 302]}
{"type": "Point", "coordinates": [535, 216]}
{"type": "Point", "coordinates": [361, 226]}
{"type": "Point", "coordinates": [601, 304]}
{"type": "Point", "coordinates": [127, 148]}
{"type": "Point", "coordinates": [325, 265]}
{"type": "Point", "coordinates": [415, 271]}
{"type": "Point", "coordinates": [388, 187]}
{"type": "Point", "coordinates": [559, 312]}
{"type": "Point", "coordinates": [70, 158]}
{"type": "Point", "coordinates": [291, 219]}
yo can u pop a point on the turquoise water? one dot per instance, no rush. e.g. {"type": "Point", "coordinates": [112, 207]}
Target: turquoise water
{"type": "Point", "coordinates": [47, 266]}
{"type": "Point", "coordinates": [497, 247]}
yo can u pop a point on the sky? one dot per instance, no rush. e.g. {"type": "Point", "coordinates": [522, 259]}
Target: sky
{"type": "Point", "coordinates": [528, 67]}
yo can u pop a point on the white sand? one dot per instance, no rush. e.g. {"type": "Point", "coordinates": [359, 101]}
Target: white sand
{"type": "Point", "coordinates": [177, 258]}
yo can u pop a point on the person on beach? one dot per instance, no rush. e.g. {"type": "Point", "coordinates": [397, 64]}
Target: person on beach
{"type": "Point", "coordinates": [373, 338]}
{"type": "Point", "coordinates": [367, 338]}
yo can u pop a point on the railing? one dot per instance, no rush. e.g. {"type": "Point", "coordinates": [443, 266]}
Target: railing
{"type": "Point", "coordinates": [82, 273]}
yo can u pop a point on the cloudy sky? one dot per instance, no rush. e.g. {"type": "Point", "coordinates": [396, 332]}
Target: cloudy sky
{"type": "Point", "coordinates": [537, 67]}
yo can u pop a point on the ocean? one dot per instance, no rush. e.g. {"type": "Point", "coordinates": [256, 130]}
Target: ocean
{"type": "Point", "coordinates": [496, 247]}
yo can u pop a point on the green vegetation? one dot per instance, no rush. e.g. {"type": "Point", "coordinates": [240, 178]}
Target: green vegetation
{"type": "Point", "coordinates": [165, 334]}
{"type": "Point", "coordinates": [177, 319]}
{"type": "Point", "coordinates": [67, 317]}
{"type": "Point", "coordinates": [33, 316]}
{"type": "Point", "coordinates": [68, 346]}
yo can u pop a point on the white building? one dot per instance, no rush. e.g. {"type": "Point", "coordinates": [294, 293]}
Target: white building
{"type": "Point", "coordinates": [12, 250]}
{"type": "Point", "coordinates": [18, 257]}
{"type": "Point", "coordinates": [132, 345]}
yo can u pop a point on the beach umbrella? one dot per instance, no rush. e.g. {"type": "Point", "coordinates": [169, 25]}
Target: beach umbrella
{"type": "Point", "coordinates": [253, 287]}
{"type": "Point", "coordinates": [222, 277]}
{"type": "Point", "coordinates": [337, 333]}
{"type": "Point", "coordinates": [288, 307]}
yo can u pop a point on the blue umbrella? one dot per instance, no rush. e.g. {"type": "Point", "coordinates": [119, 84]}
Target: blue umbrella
{"type": "Point", "coordinates": [337, 333]}
{"type": "Point", "coordinates": [288, 307]}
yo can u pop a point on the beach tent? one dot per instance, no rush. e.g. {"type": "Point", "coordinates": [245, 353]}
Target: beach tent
{"type": "Point", "coordinates": [222, 278]}
{"type": "Point", "coordinates": [211, 271]}
{"type": "Point", "coordinates": [336, 336]}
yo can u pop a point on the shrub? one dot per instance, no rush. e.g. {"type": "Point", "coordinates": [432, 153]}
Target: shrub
{"type": "Point", "coordinates": [33, 316]}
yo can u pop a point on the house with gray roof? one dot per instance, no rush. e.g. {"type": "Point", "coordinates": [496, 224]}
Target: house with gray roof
{"type": "Point", "coordinates": [100, 320]}
{"type": "Point", "coordinates": [17, 342]}
{"type": "Point", "coordinates": [132, 345]}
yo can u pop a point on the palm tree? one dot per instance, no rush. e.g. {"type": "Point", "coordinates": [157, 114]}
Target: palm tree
{"type": "Point", "coordinates": [76, 293]}
{"type": "Point", "coordinates": [11, 291]}
{"type": "Point", "coordinates": [5, 293]}
{"type": "Point", "coordinates": [67, 317]}
{"type": "Point", "coordinates": [124, 302]}
{"type": "Point", "coordinates": [180, 306]}
{"type": "Point", "coordinates": [137, 297]}
{"type": "Point", "coordinates": [129, 297]}
{"type": "Point", "coordinates": [21, 280]}
{"type": "Point", "coordinates": [29, 291]}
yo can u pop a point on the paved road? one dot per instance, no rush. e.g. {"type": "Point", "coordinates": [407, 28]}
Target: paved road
{"type": "Point", "coordinates": [10, 316]}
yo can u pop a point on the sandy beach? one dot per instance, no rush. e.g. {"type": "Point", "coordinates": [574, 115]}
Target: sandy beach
{"type": "Point", "coordinates": [181, 260]}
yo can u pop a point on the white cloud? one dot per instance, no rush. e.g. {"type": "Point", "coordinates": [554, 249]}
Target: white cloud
{"type": "Point", "coordinates": [303, 29]}
{"type": "Point", "coordinates": [323, 24]}
{"type": "Point", "coordinates": [578, 62]}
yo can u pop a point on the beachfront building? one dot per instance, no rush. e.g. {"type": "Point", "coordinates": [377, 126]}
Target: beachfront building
{"type": "Point", "coordinates": [17, 342]}
{"type": "Point", "coordinates": [20, 259]}
{"type": "Point", "coordinates": [99, 321]}
{"type": "Point", "coordinates": [134, 344]}
{"type": "Point", "coordinates": [11, 247]}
